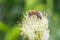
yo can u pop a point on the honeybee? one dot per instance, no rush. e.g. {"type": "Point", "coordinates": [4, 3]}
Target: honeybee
{"type": "Point", "coordinates": [35, 12]}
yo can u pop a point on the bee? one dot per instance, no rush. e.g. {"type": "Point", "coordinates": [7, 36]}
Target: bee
{"type": "Point", "coordinates": [35, 12]}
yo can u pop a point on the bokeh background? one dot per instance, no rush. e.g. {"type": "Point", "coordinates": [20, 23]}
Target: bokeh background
{"type": "Point", "coordinates": [12, 11]}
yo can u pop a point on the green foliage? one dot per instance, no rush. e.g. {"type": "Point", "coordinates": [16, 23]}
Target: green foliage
{"type": "Point", "coordinates": [12, 34]}
{"type": "Point", "coordinates": [4, 27]}
{"type": "Point", "coordinates": [11, 11]}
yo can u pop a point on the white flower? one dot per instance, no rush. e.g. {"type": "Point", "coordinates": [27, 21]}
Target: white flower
{"type": "Point", "coordinates": [35, 26]}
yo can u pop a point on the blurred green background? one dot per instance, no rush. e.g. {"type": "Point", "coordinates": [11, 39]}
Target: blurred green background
{"type": "Point", "coordinates": [12, 11]}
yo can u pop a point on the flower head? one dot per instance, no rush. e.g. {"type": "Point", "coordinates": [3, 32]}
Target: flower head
{"type": "Point", "coordinates": [35, 26]}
